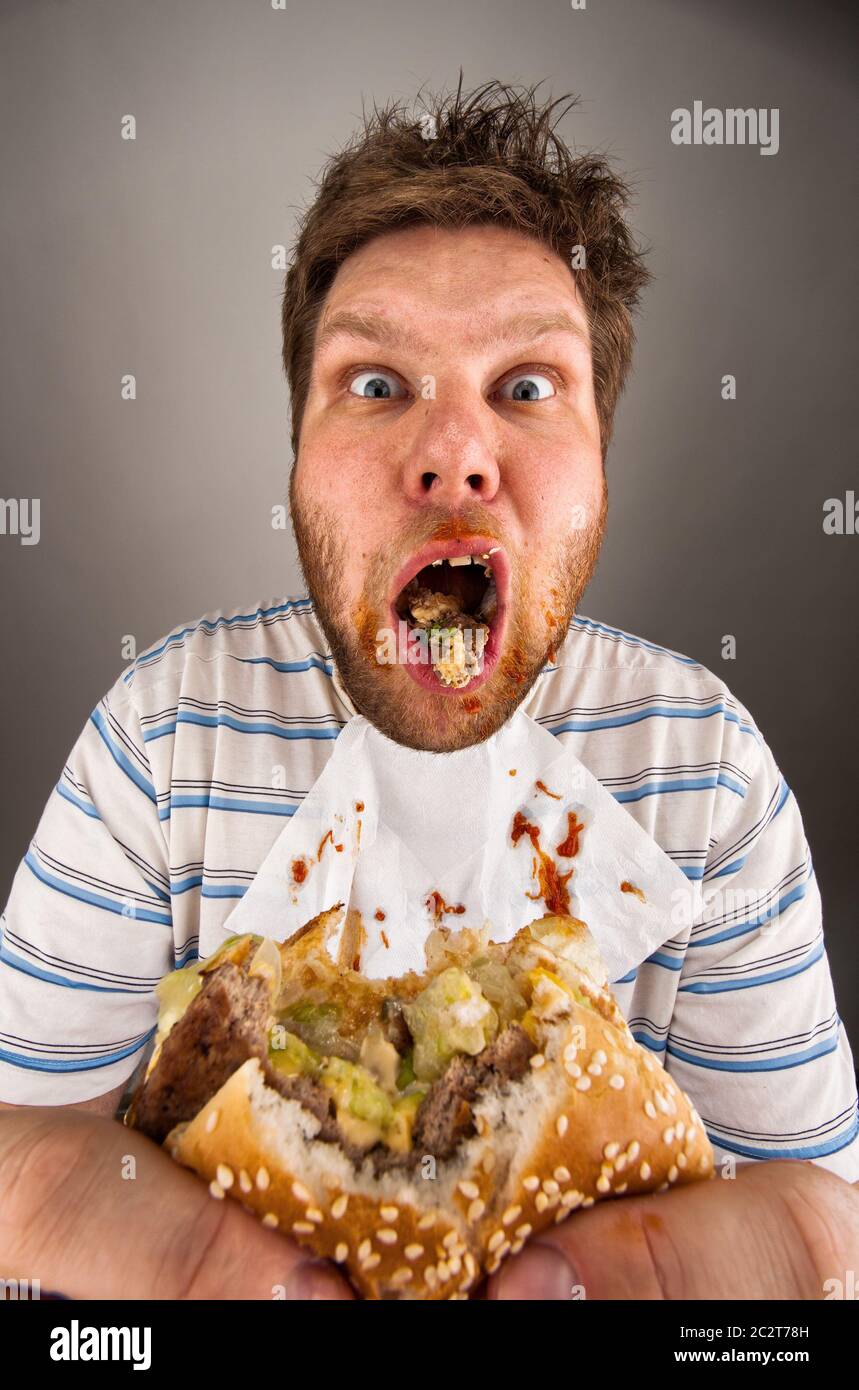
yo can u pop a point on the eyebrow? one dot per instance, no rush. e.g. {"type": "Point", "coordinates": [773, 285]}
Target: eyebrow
{"type": "Point", "coordinates": [374, 327]}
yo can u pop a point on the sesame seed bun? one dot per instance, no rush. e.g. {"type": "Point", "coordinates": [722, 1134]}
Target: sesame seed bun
{"type": "Point", "coordinates": [594, 1117]}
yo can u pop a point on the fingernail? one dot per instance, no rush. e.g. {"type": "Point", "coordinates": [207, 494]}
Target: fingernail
{"type": "Point", "coordinates": [540, 1271]}
{"type": "Point", "coordinates": [312, 1280]}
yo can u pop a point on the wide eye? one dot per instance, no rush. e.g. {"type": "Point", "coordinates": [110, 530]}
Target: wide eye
{"type": "Point", "coordinates": [379, 386]}
{"type": "Point", "coordinates": [532, 387]}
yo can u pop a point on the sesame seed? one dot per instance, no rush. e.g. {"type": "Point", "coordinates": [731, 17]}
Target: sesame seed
{"type": "Point", "coordinates": [672, 1172]}
{"type": "Point", "coordinates": [387, 1235]}
{"type": "Point", "coordinates": [645, 1172]}
{"type": "Point", "coordinates": [469, 1189]}
{"type": "Point", "coordinates": [531, 1183]}
{"type": "Point", "coordinates": [427, 1221]}
{"type": "Point", "coordinates": [216, 1190]}
{"type": "Point", "coordinates": [679, 1129]}
{"type": "Point", "coordinates": [271, 1220]}
{"type": "Point", "coordinates": [402, 1276]}
{"type": "Point", "coordinates": [668, 1135]}
{"type": "Point", "coordinates": [690, 1135]}
{"type": "Point", "coordinates": [550, 1187]}
{"type": "Point", "coordinates": [431, 1276]}
{"type": "Point", "coordinates": [588, 1202]}
{"type": "Point", "coordinates": [226, 1176]}
{"type": "Point", "coordinates": [455, 1265]}
{"type": "Point", "coordinates": [595, 1069]}
{"type": "Point", "coordinates": [245, 1180]}
{"type": "Point", "coordinates": [562, 1124]}
{"type": "Point", "coordinates": [263, 1179]}
{"type": "Point", "coordinates": [364, 1249]}
{"type": "Point", "coordinates": [541, 1201]}
{"type": "Point", "coordinates": [470, 1264]}
{"type": "Point", "coordinates": [212, 1120]}
{"type": "Point", "coordinates": [681, 1160]}
{"type": "Point", "coordinates": [413, 1252]}
{"type": "Point", "coordinates": [569, 1053]}
{"type": "Point", "coordinates": [633, 1150]}
{"type": "Point", "coordinates": [492, 1264]}
{"type": "Point", "coordinates": [622, 1188]}
{"type": "Point", "coordinates": [476, 1209]}
{"type": "Point", "coordinates": [621, 1162]}
{"type": "Point", "coordinates": [560, 1215]}
{"type": "Point", "coordinates": [616, 1081]}
{"type": "Point", "coordinates": [443, 1271]}
{"type": "Point", "coordinates": [571, 1199]}
{"type": "Point", "coordinates": [523, 1232]}
{"type": "Point", "coordinates": [338, 1207]}
{"type": "Point", "coordinates": [537, 1061]}
{"type": "Point", "coordinates": [303, 1228]}
{"type": "Point", "coordinates": [371, 1262]}
{"type": "Point", "coordinates": [451, 1240]}
{"type": "Point", "coordinates": [562, 1174]}
{"type": "Point", "coordinates": [611, 1150]}
{"type": "Point", "coordinates": [497, 1238]}
{"type": "Point", "coordinates": [603, 1184]}
{"type": "Point", "coordinates": [314, 1214]}
{"type": "Point", "coordinates": [583, 1083]}
{"type": "Point", "coordinates": [607, 1169]}
{"type": "Point", "coordinates": [503, 1250]}
{"type": "Point", "coordinates": [599, 1056]}
{"type": "Point", "coordinates": [662, 1103]}
{"type": "Point", "coordinates": [389, 1214]}
{"type": "Point", "coordinates": [703, 1165]}
{"type": "Point", "coordinates": [341, 1251]}
{"type": "Point", "coordinates": [650, 1109]}
{"type": "Point", "coordinates": [301, 1192]}
{"type": "Point", "coordinates": [572, 1069]}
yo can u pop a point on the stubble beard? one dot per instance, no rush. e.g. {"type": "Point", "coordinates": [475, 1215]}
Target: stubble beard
{"type": "Point", "coordinates": [541, 609]}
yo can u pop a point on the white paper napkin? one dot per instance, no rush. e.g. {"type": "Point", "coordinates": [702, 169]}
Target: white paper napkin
{"type": "Point", "coordinates": [385, 828]}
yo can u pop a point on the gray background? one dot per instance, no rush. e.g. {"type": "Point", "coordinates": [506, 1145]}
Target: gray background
{"type": "Point", "coordinates": [154, 257]}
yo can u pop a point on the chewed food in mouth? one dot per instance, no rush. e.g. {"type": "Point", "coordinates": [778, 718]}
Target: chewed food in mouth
{"type": "Point", "coordinates": [452, 601]}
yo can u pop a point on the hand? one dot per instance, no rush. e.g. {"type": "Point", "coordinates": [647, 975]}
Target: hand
{"type": "Point", "coordinates": [70, 1219]}
{"type": "Point", "coordinates": [777, 1230]}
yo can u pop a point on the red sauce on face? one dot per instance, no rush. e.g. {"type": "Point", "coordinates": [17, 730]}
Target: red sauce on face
{"type": "Point", "coordinates": [552, 884]}
{"type": "Point", "coordinates": [438, 907]}
{"type": "Point", "coordinates": [299, 871]}
{"type": "Point", "coordinates": [470, 704]}
{"type": "Point", "coordinates": [329, 835]}
{"type": "Point", "coordinates": [359, 805]}
{"type": "Point", "coordinates": [379, 915]}
{"type": "Point", "coordinates": [511, 772]}
{"type": "Point", "coordinates": [569, 848]}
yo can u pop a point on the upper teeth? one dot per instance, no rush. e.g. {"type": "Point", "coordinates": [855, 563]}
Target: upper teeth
{"type": "Point", "coordinates": [468, 559]}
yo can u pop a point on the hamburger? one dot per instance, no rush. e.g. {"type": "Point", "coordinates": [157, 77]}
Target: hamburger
{"type": "Point", "coordinates": [417, 1129]}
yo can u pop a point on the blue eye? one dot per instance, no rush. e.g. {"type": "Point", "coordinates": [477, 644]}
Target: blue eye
{"type": "Point", "coordinates": [379, 386]}
{"type": "Point", "coordinates": [527, 388]}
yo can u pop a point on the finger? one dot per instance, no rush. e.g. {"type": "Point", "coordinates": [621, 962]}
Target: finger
{"type": "Point", "coordinates": [93, 1209]}
{"type": "Point", "coordinates": [721, 1239]}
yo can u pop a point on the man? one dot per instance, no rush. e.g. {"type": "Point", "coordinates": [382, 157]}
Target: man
{"type": "Point", "coordinates": [456, 334]}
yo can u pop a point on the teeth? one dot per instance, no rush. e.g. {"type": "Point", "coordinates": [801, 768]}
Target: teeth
{"type": "Point", "coordinates": [459, 560]}
{"type": "Point", "coordinates": [438, 562]}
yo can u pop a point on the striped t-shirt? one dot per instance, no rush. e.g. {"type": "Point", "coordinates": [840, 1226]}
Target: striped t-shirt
{"type": "Point", "coordinates": [184, 773]}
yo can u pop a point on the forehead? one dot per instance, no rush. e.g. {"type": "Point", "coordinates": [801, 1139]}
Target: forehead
{"type": "Point", "coordinates": [466, 280]}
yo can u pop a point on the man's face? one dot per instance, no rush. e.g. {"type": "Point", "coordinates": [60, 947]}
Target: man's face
{"type": "Point", "coordinates": [450, 412]}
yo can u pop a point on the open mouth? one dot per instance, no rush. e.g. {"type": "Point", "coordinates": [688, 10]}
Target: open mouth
{"type": "Point", "coordinates": [452, 596]}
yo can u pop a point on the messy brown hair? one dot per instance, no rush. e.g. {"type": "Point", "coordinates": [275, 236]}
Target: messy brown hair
{"type": "Point", "coordinates": [490, 156]}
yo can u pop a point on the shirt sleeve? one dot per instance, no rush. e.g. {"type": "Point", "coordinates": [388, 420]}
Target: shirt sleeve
{"type": "Point", "coordinates": [86, 933]}
{"type": "Point", "coordinates": [755, 1038]}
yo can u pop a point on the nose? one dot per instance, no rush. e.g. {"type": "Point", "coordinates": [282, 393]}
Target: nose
{"type": "Point", "coordinates": [452, 459]}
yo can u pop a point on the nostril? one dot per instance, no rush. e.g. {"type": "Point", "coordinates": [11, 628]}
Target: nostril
{"type": "Point", "coordinates": [428, 479]}
{"type": "Point", "coordinates": [475, 481]}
